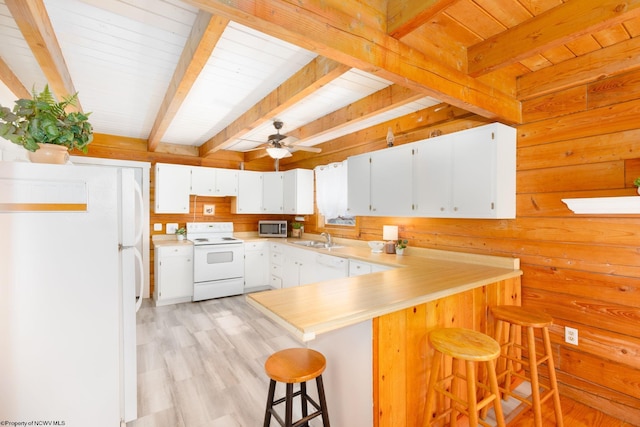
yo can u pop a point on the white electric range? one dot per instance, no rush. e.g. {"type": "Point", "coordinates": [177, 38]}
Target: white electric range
{"type": "Point", "coordinates": [218, 261]}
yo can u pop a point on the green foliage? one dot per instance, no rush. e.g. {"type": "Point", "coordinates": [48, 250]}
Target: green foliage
{"type": "Point", "coordinates": [636, 182]}
{"type": "Point", "coordinates": [181, 230]}
{"type": "Point", "coordinates": [402, 243]}
{"type": "Point", "coordinates": [43, 120]}
{"type": "Point", "coordinates": [296, 225]}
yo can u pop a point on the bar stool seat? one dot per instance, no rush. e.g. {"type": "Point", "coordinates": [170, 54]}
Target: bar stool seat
{"type": "Point", "coordinates": [291, 366]}
{"type": "Point", "coordinates": [512, 364]}
{"type": "Point", "coordinates": [470, 347]}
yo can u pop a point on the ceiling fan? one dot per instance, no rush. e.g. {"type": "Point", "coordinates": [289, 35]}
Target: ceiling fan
{"type": "Point", "coordinates": [278, 148]}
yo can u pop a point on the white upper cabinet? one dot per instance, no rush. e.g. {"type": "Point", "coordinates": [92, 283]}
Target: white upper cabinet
{"type": "Point", "coordinates": [359, 185]}
{"type": "Point", "coordinates": [172, 187]}
{"type": "Point", "coordinates": [391, 181]}
{"type": "Point", "coordinates": [298, 191]}
{"type": "Point", "coordinates": [249, 200]}
{"type": "Point", "coordinates": [467, 174]}
{"type": "Point", "coordinates": [214, 182]}
{"type": "Point", "coordinates": [226, 182]}
{"type": "Point", "coordinates": [272, 192]}
{"type": "Point", "coordinates": [203, 181]}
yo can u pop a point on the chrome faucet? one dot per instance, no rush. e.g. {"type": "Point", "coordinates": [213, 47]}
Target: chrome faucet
{"type": "Point", "coordinates": [328, 237]}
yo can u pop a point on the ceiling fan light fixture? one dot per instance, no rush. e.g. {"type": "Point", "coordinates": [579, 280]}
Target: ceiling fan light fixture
{"type": "Point", "coordinates": [278, 153]}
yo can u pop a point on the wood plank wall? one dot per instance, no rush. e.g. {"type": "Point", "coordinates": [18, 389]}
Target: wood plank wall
{"type": "Point", "coordinates": [583, 270]}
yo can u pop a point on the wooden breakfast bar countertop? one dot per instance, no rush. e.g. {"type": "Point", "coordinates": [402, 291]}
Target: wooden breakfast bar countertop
{"type": "Point", "coordinates": [425, 275]}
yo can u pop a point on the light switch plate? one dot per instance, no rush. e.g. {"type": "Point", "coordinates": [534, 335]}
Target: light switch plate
{"type": "Point", "coordinates": [171, 228]}
{"type": "Point", "coordinates": [209, 210]}
{"type": "Point", "coordinates": [157, 226]}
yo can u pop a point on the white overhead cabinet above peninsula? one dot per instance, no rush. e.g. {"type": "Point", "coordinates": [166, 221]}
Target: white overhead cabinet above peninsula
{"type": "Point", "coordinates": [254, 192]}
{"type": "Point", "coordinates": [467, 174]}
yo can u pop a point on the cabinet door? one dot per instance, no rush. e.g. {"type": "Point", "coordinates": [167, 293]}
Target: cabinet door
{"type": "Point", "coordinates": [298, 192]}
{"type": "Point", "coordinates": [432, 177]}
{"type": "Point", "coordinates": [249, 198]}
{"type": "Point", "coordinates": [226, 182]}
{"type": "Point", "coordinates": [329, 267]}
{"type": "Point", "coordinates": [256, 265]}
{"type": "Point", "coordinates": [474, 174]}
{"type": "Point", "coordinates": [203, 181]}
{"type": "Point", "coordinates": [172, 186]}
{"type": "Point", "coordinates": [272, 192]}
{"type": "Point", "coordinates": [391, 181]}
{"type": "Point", "coordinates": [174, 273]}
{"type": "Point", "coordinates": [359, 183]}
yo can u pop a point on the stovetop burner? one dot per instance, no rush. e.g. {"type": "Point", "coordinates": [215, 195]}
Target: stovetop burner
{"type": "Point", "coordinates": [211, 233]}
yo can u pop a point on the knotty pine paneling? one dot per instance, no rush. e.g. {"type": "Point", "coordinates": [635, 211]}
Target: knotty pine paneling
{"type": "Point", "coordinates": [584, 270]}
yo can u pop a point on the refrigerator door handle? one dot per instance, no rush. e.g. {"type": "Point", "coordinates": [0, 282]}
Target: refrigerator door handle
{"type": "Point", "coordinates": [140, 218]}
{"type": "Point", "coordinates": [140, 280]}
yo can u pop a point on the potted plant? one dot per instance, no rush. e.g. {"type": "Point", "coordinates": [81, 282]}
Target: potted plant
{"type": "Point", "coordinates": [296, 229]}
{"type": "Point", "coordinates": [401, 245]}
{"type": "Point", "coordinates": [636, 182]}
{"type": "Point", "coordinates": [180, 233]}
{"type": "Point", "coordinates": [42, 122]}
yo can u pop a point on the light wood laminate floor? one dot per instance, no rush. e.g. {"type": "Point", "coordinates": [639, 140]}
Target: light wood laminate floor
{"type": "Point", "coordinates": [202, 365]}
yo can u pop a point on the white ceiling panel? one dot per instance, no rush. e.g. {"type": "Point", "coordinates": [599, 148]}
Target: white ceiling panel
{"type": "Point", "coordinates": [122, 54]}
{"type": "Point", "coordinates": [16, 53]}
{"type": "Point", "coordinates": [132, 60]}
{"type": "Point", "coordinates": [244, 68]}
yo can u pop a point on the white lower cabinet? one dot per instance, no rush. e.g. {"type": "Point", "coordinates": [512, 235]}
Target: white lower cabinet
{"type": "Point", "coordinates": [173, 274]}
{"type": "Point", "coordinates": [359, 268]}
{"type": "Point", "coordinates": [276, 265]}
{"type": "Point", "coordinates": [299, 267]}
{"type": "Point", "coordinates": [256, 266]}
{"type": "Point", "coordinates": [329, 267]}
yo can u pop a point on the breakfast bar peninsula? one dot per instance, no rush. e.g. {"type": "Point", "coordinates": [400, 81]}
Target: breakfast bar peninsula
{"type": "Point", "coordinates": [373, 328]}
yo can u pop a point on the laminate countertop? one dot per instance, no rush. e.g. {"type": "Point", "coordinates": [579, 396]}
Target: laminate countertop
{"type": "Point", "coordinates": [421, 276]}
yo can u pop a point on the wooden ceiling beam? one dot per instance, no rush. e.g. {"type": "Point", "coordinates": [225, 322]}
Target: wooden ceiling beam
{"type": "Point", "coordinates": [33, 21]}
{"type": "Point", "coordinates": [383, 100]}
{"type": "Point", "coordinates": [307, 80]}
{"type": "Point", "coordinates": [12, 81]}
{"type": "Point", "coordinates": [348, 40]}
{"type": "Point", "coordinates": [553, 28]}
{"type": "Point", "coordinates": [404, 16]}
{"type": "Point", "coordinates": [205, 34]}
{"type": "Point", "coordinates": [596, 65]}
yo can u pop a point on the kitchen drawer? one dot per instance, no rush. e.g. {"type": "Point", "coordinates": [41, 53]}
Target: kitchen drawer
{"type": "Point", "coordinates": [276, 258]}
{"type": "Point", "coordinates": [276, 270]}
{"type": "Point", "coordinates": [276, 282]}
{"type": "Point", "coordinates": [254, 246]}
{"type": "Point", "coordinates": [170, 251]}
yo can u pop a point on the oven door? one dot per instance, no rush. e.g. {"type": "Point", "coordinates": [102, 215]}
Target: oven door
{"type": "Point", "coordinates": [218, 262]}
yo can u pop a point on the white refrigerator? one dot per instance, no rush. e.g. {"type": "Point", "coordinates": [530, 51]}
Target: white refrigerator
{"type": "Point", "coordinates": [68, 277]}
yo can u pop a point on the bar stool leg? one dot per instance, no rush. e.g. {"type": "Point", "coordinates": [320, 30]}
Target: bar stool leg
{"type": "Point", "coordinates": [535, 385]}
{"type": "Point", "coordinates": [303, 401]}
{"type": "Point", "coordinates": [323, 402]}
{"type": "Point", "coordinates": [288, 417]}
{"type": "Point", "coordinates": [493, 385]}
{"type": "Point", "coordinates": [552, 377]}
{"type": "Point", "coordinates": [472, 396]}
{"type": "Point", "coordinates": [267, 412]}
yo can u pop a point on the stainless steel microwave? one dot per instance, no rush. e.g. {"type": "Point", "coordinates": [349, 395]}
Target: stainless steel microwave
{"type": "Point", "coordinates": [272, 228]}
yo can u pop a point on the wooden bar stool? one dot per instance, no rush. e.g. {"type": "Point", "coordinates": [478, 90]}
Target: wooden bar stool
{"type": "Point", "coordinates": [471, 347]}
{"type": "Point", "coordinates": [290, 366]}
{"type": "Point", "coordinates": [509, 319]}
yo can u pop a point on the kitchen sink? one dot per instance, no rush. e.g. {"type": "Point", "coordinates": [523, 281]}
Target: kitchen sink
{"type": "Point", "coordinates": [315, 244]}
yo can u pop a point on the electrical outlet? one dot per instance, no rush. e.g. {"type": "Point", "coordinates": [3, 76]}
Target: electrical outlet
{"type": "Point", "coordinates": [571, 335]}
